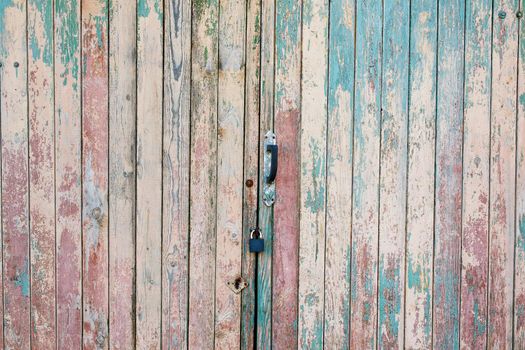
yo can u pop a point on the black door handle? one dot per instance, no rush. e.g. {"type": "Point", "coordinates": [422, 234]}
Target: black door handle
{"type": "Point", "coordinates": [274, 153]}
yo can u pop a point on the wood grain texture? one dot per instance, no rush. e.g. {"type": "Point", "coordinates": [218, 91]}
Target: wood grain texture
{"type": "Point", "coordinates": [314, 100]}
{"type": "Point", "coordinates": [68, 165]}
{"type": "Point", "coordinates": [287, 110]}
{"type": "Point", "coordinates": [519, 282]}
{"type": "Point", "coordinates": [95, 173]}
{"type": "Point", "coordinates": [122, 130]}
{"type": "Point", "coordinates": [448, 195]}
{"type": "Point", "coordinates": [339, 170]}
{"type": "Point", "coordinates": [176, 165]}
{"type": "Point", "coordinates": [264, 264]}
{"type": "Point", "coordinates": [365, 201]}
{"type": "Point", "coordinates": [502, 174]}
{"type": "Point", "coordinates": [203, 200]}
{"type": "Point", "coordinates": [476, 172]}
{"type": "Point", "coordinates": [15, 182]}
{"type": "Point", "coordinates": [41, 172]}
{"type": "Point", "coordinates": [251, 167]}
{"type": "Point", "coordinates": [149, 172]}
{"type": "Point", "coordinates": [420, 183]}
{"type": "Point", "coordinates": [393, 175]}
{"type": "Point", "coordinates": [230, 137]}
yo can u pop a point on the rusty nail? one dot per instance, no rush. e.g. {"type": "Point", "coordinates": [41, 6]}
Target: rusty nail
{"type": "Point", "coordinates": [519, 14]}
{"type": "Point", "coordinates": [1, 64]}
{"type": "Point", "coordinates": [249, 183]}
{"type": "Point", "coordinates": [502, 14]}
{"type": "Point", "coordinates": [16, 64]}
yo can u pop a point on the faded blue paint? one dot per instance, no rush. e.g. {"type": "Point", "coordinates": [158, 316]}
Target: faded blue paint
{"type": "Point", "coordinates": [521, 234]}
{"type": "Point", "coordinates": [315, 199]}
{"type": "Point", "coordinates": [68, 40]}
{"type": "Point", "coordinates": [22, 279]}
{"type": "Point", "coordinates": [42, 50]}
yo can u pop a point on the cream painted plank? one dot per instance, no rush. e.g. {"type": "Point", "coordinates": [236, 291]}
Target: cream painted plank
{"type": "Point", "coordinates": [203, 174]}
{"type": "Point", "coordinates": [122, 118]}
{"type": "Point", "coordinates": [339, 171]}
{"type": "Point", "coordinates": [365, 200]}
{"type": "Point", "coordinates": [502, 174]}
{"type": "Point", "coordinates": [15, 182]}
{"type": "Point", "coordinates": [476, 170]}
{"type": "Point", "coordinates": [176, 165]}
{"type": "Point", "coordinates": [251, 167]}
{"type": "Point", "coordinates": [41, 172]}
{"type": "Point", "coordinates": [149, 172]}
{"type": "Point", "coordinates": [230, 136]}
{"type": "Point", "coordinates": [313, 173]}
{"type": "Point", "coordinates": [420, 184]}
{"type": "Point", "coordinates": [68, 167]}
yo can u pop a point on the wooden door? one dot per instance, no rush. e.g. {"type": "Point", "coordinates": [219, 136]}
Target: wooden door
{"type": "Point", "coordinates": [133, 170]}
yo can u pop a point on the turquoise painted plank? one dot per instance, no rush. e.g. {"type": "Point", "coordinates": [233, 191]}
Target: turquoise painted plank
{"type": "Point", "coordinates": [392, 211]}
{"type": "Point", "coordinates": [339, 170]}
{"type": "Point", "coordinates": [449, 138]}
{"type": "Point", "coordinates": [365, 201]}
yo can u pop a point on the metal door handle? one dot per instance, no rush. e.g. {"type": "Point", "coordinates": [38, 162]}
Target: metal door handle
{"type": "Point", "coordinates": [274, 153]}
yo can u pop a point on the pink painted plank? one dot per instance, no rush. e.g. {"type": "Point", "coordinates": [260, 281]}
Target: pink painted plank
{"type": "Point", "coordinates": [41, 173]}
{"type": "Point", "coordinates": [122, 103]}
{"type": "Point", "coordinates": [476, 161]}
{"type": "Point", "coordinates": [502, 174]}
{"type": "Point", "coordinates": [68, 172]}
{"type": "Point", "coordinates": [287, 205]}
{"type": "Point", "coordinates": [15, 191]}
{"type": "Point", "coordinates": [95, 173]}
{"type": "Point", "coordinates": [176, 187]}
{"type": "Point", "coordinates": [519, 283]}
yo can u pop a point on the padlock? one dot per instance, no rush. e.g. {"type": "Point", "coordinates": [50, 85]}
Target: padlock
{"type": "Point", "coordinates": [256, 242]}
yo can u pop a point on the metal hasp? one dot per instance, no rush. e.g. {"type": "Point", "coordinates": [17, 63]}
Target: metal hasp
{"type": "Point", "coordinates": [270, 168]}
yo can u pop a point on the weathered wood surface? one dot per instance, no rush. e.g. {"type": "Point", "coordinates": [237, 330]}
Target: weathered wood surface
{"type": "Point", "coordinates": [122, 131]}
{"type": "Point", "coordinates": [503, 174]}
{"type": "Point", "coordinates": [95, 154]}
{"type": "Point", "coordinates": [68, 146]}
{"type": "Point", "coordinates": [41, 172]}
{"type": "Point", "coordinates": [476, 161]}
{"type": "Point", "coordinates": [338, 171]}
{"type": "Point", "coordinates": [131, 163]}
{"type": "Point", "coordinates": [15, 183]}
{"type": "Point", "coordinates": [176, 165]}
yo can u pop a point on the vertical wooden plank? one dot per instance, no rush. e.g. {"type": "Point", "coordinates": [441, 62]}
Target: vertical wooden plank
{"type": "Point", "coordinates": [41, 172]}
{"type": "Point", "coordinates": [449, 129]}
{"type": "Point", "coordinates": [476, 161]}
{"type": "Point", "coordinates": [519, 284]}
{"type": "Point", "coordinates": [502, 174]}
{"type": "Point", "coordinates": [230, 136]}
{"type": "Point", "coordinates": [15, 191]}
{"type": "Point", "coordinates": [122, 104]}
{"type": "Point", "coordinates": [366, 174]}
{"type": "Point", "coordinates": [287, 107]}
{"type": "Point", "coordinates": [265, 296]}
{"type": "Point", "coordinates": [203, 174]}
{"type": "Point", "coordinates": [420, 183]}
{"type": "Point", "coordinates": [314, 83]}
{"type": "Point", "coordinates": [149, 172]}
{"type": "Point", "coordinates": [68, 174]}
{"type": "Point", "coordinates": [251, 168]}
{"type": "Point", "coordinates": [95, 173]}
{"type": "Point", "coordinates": [338, 172]}
{"type": "Point", "coordinates": [393, 175]}
{"type": "Point", "coordinates": [176, 165]}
